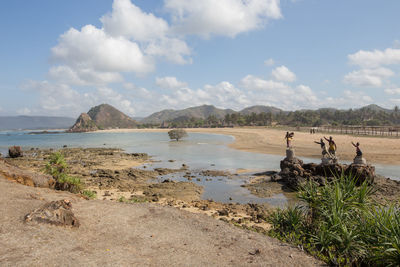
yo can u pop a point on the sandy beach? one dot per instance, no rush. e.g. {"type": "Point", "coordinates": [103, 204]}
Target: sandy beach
{"type": "Point", "coordinates": [379, 150]}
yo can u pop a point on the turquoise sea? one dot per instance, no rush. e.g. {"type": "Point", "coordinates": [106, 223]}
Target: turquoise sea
{"type": "Point", "coordinates": [198, 151]}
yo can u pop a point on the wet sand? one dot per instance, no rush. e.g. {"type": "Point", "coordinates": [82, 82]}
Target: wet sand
{"type": "Point", "coordinates": [381, 150]}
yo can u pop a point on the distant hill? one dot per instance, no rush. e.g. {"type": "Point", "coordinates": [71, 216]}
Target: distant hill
{"type": "Point", "coordinates": [376, 108]}
{"type": "Point", "coordinates": [200, 112]}
{"type": "Point", "coordinates": [35, 122]}
{"type": "Point", "coordinates": [100, 117]}
{"type": "Point", "coordinates": [260, 109]}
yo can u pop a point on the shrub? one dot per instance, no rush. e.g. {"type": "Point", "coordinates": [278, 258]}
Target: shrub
{"type": "Point", "coordinates": [177, 134]}
{"type": "Point", "coordinates": [58, 168]}
{"type": "Point", "coordinates": [341, 224]}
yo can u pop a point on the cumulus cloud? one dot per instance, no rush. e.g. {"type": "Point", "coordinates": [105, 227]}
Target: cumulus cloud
{"type": "Point", "coordinates": [374, 71]}
{"type": "Point", "coordinates": [24, 111]}
{"type": "Point", "coordinates": [93, 48]}
{"type": "Point", "coordinates": [251, 82]}
{"type": "Point", "coordinates": [349, 99]}
{"type": "Point", "coordinates": [222, 17]}
{"type": "Point", "coordinates": [269, 62]}
{"type": "Point", "coordinates": [283, 74]}
{"type": "Point", "coordinates": [130, 21]}
{"type": "Point", "coordinates": [169, 83]}
{"type": "Point", "coordinates": [61, 99]}
{"type": "Point", "coordinates": [368, 77]}
{"type": "Point", "coordinates": [375, 58]}
{"type": "Point", "coordinates": [393, 91]}
{"type": "Point", "coordinates": [82, 76]}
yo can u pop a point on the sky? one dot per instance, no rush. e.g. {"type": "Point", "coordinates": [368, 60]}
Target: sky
{"type": "Point", "coordinates": [59, 58]}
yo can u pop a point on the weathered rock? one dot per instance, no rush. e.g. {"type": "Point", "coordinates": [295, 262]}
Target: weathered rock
{"type": "Point", "coordinates": [83, 124]}
{"type": "Point", "coordinates": [361, 173]}
{"type": "Point", "coordinates": [15, 152]}
{"type": "Point", "coordinates": [56, 213]}
{"type": "Point", "coordinates": [294, 173]}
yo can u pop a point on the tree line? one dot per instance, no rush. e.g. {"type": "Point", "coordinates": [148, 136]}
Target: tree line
{"type": "Point", "coordinates": [311, 118]}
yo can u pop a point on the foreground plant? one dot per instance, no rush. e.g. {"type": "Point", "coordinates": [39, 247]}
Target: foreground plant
{"type": "Point", "coordinates": [58, 168]}
{"type": "Point", "coordinates": [341, 224]}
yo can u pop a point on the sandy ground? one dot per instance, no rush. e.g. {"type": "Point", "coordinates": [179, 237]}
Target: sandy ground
{"type": "Point", "coordinates": [270, 141]}
{"type": "Point", "coordinates": [121, 234]}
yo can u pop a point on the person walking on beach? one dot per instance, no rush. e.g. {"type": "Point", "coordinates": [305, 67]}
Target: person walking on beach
{"type": "Point", "coordinates": [323, 147]}
{"type": "Point", "coordinates": [332, 146]}
{"type": "Point", "coordinates": [358, 150]}
{"type": "Point", "coordinates": [289, 138]}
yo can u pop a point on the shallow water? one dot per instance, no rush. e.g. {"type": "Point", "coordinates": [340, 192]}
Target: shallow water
{"type": "Point", "coordinates": [198, 151]}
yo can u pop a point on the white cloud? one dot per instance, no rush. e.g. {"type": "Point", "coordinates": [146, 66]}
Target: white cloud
{"type": "Point", "coordinates": [251, 82]}
{"type": "Point", "coordinates": [393, 91]}
{"type": "Point", "coordinates": [375, 58]}
{"type": "Point", "coordinates": [349, 99]}
{"type": "Point", "coordinates": [115, 99]}
{"type": "Point", "coordinates": [24, 111]}
{"type": "Point", "coordinates": [93, 48]}
{"type": "Point", "coordinates": [368, 77]}
{"type": "Point", "coordinates": [173, 49]}
{"type": "Point", "coordinates": [169, 83]}
{"type": "Point", "coordinates": [395, 101]}
{"type": "Point", "coordinates": [130, 21]}
{"type": "Point", "coordinates": [269, 62]}
{"type": "Point", "coordinates": [222, 17]}
{"type": "Point", "coordinates": [283, 74]}
{"type": "Point", "coordinates": [77, 76]}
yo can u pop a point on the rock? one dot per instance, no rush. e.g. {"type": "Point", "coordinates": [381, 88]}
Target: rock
{"type": "Point", "coordinates": [15, 152]}
{"type": "Point", "coordinates": [84, 123]}
{"type": "Point", "coordinates": [56, 213]}
{"type": "Point", "coordinates": [223, 212]}
{"type": "Point", "coordinates": [361, 173]}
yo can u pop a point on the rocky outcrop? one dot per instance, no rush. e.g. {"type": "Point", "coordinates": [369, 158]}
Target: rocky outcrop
{"type": "Point", "coordinates": [15, 152]}
{"type": "Point", "coordinates": [25, 177]}
{"type": "Point", "coordinates": [294, 172]}
{"type": "Point", "coordinates": [102, 117]}
{"type": "Point", "coordinates": [83, 124]}
{"type": "Point", "coordinates": [57, 213]}
{"type": "Point", "coordinates": [106, 116]}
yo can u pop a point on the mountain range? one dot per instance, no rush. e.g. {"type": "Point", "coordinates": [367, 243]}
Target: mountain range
{"type": "Point", "coordinates": [105, 116]}
{"type": "Point", "coordinates": [35, 122]}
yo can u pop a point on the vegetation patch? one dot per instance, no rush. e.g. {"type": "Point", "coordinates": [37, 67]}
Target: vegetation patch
{"type": "Point", "coordinates": [341, 224]}
{"type": "Point", "coordinates": [58, 168]}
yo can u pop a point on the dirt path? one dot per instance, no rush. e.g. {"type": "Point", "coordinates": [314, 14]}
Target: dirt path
{"type": "Point", "coordinates": [120, 234]}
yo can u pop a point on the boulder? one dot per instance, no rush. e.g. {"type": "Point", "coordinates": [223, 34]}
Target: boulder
{"type": "Point", "coordinates": [57, 213]}
{"type": "Point", "coordinates": [361, 173]}
{"type": "Point", "coordinates": [294, 172]}
{"type": "Point", "coordinates": [15, 152]}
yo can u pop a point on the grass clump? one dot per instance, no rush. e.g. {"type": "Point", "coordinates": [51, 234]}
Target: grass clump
{"type": "Point", "coordinates": [57, 167]}
{"type": "Point", "coordinates": [89, 193]}
{"type": "Point", "coordinates": [340, 224]}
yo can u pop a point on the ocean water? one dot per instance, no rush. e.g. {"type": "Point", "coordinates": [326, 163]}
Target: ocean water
{"type": "Point", "coordinates": [198, 151]}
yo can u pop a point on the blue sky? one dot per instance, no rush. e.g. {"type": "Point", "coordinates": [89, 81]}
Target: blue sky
{"type": "Point", "coordinates": [62, 57]}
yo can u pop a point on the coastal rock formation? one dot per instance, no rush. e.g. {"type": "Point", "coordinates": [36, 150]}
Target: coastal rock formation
{"type": "Point", "coordinates": [294, 172]}
{"type": "Point", "coordinates": [106, 116]}
{"type": "Point", "coordinates": [57, 213]}
{"type": "Point", "coordinates": [83, 124]}
{"type": "Point", "coordinates": [102, 117]}
{"type": "Point", "coordinates": [15, 152]}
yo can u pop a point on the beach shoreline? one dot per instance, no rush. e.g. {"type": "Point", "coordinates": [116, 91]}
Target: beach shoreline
{"type": "Point", "coordinates": [377, 150]}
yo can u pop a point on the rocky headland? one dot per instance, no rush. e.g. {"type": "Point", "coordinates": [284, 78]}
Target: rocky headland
{"type": "Point", "coordinates": [102, 117]}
